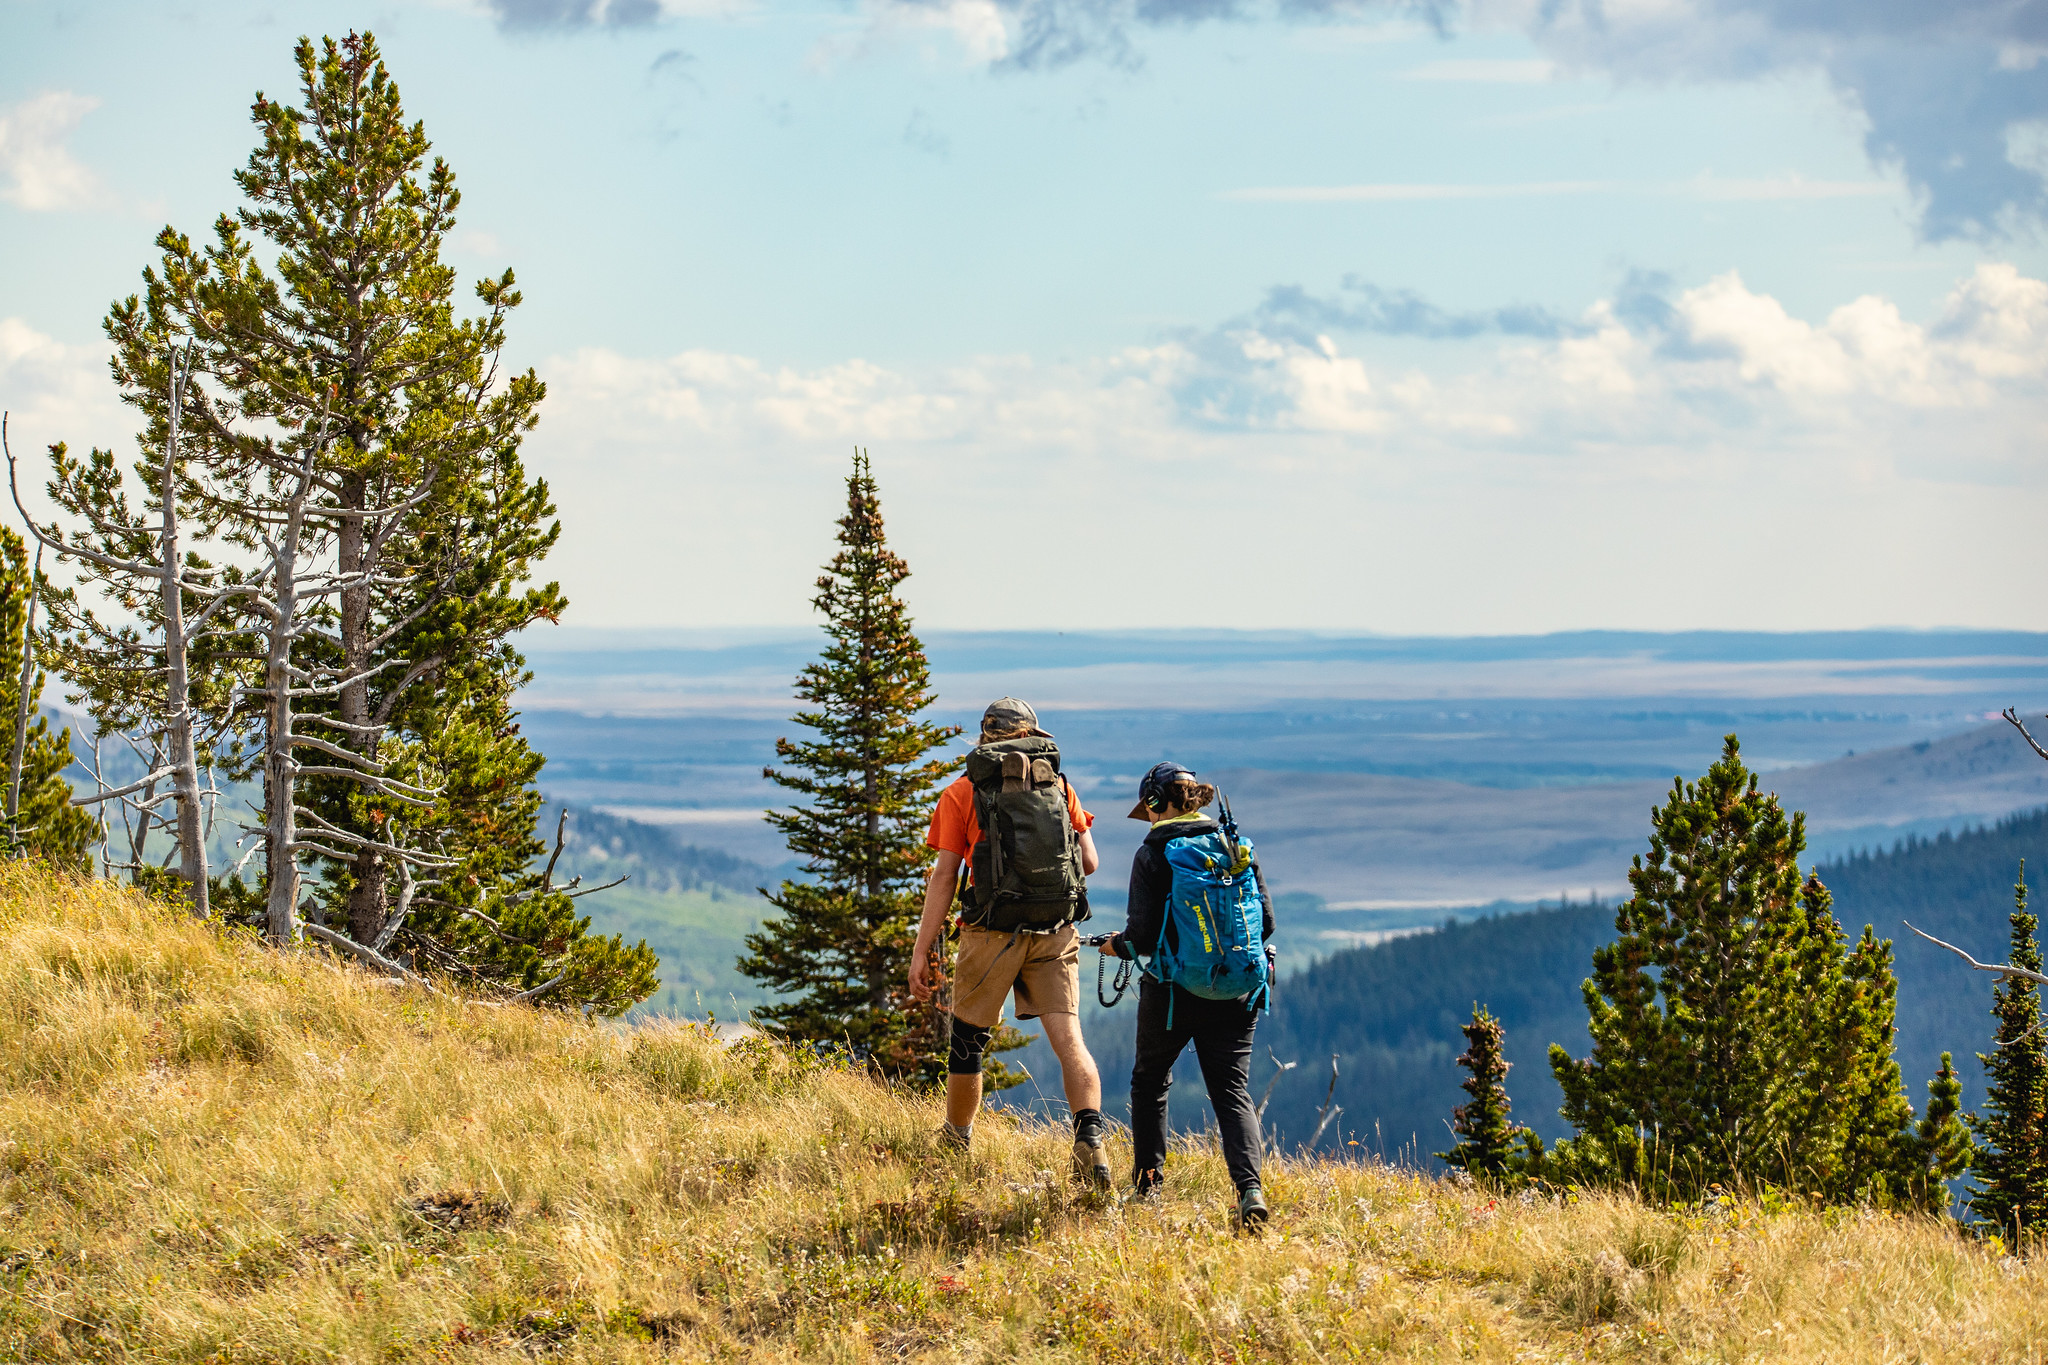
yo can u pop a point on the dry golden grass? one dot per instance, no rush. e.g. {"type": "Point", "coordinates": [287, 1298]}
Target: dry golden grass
{"type": "Point", "coordinates": [213, 1152]}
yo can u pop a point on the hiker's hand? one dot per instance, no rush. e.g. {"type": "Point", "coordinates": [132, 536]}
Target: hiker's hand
{"type": "Point", "coordinates": [923, 976]}
{"type": "Point", "coordinates": [1108, 947]}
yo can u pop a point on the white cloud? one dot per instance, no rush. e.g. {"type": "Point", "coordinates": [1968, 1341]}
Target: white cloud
{"type": "Point", "coordinates": [2026, 145]}
{"type": "Point", "coordinates": [1986, 354]}
{"type": "Point", "coordinates": [583, 14]}
{"type": "Point", "coordinates": [1862, 468]}
{"type": "Point", "coordinates": [1936, 85]}
{"type": "Point", "coordinates": [55, 392]}
{"type": "Point", "coordinates": [1996, 323]}
{"type": "Point", "coordinates": [40, 171]}
{"type": "Point", "coordinates": [1865, 346]}
{"type": "Point", "coordinates": [477, 242]}
{"type": "Point", "coordinates": [972, 29]}
{"type": "Point", "coordinates": [2020, 56]}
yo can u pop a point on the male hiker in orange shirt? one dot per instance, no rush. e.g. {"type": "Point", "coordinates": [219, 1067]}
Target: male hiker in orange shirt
{"type": "Point", "coordinates": [1016, 822]}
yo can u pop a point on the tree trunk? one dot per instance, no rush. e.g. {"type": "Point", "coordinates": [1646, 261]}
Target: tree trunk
{"type": "Point", "coordinates": [280, 771]}
{"type": "Point", "coordinates": [881, 981]}
{"type": "Point", "coordinates": [28, 679]}
{"type": "Point", "coordinates": [367, 909]}
{"type": "Point", "coordinates": [280, 827]}
{"type": "Point", "coordinates": [178, 739]}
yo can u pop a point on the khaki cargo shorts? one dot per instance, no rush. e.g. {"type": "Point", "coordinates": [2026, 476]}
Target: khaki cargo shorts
{"type": "Point", "coordinates": [1044, 968]}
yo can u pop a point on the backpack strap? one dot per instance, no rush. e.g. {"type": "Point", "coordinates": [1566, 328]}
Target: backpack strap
{"type": "Point", "coordinates": [985, 818]}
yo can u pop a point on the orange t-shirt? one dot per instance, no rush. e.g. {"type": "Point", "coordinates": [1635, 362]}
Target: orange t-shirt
{"type": "Point", "coordinates": [955, 829]}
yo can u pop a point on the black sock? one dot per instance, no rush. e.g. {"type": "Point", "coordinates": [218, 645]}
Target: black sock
{"type": "Point", "coordinates": [1087, 1125]}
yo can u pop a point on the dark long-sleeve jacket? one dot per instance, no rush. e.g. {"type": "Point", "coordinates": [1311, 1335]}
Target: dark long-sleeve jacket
{"type": "Point", "coordinates": [1152, 882]}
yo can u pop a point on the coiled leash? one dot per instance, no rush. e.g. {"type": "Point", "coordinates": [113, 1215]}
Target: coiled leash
{"type": "Point", "coordinates": [1123, 971]}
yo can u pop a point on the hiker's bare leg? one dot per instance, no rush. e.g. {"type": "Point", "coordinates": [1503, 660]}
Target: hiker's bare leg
{"type": "Point", "coordinates": [963, 1098]}
{"type": "Point", "coordinates": [1083, 1083]}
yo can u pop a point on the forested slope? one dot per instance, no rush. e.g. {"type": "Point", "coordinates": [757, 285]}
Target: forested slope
{"type": "Point", "coordinates": [1391, 1012]}
{"type": "Point", "coordinates": [693, 906]}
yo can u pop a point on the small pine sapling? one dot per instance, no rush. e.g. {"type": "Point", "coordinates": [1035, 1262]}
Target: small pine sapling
{"type": "Point", "coordinates": [1938, 1148]}
{"type": "Point", "coordinates": [1490, 1145]}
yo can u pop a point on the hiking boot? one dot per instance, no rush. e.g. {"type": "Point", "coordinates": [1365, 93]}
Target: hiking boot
{"type": "Point", "coordinates": [1091, 1163]}
{"type": "Point", "coordinates": [1146, 1186]}
{"type": "Point", "coordinates": [953, 1139]}
{"type": "Point", "coordinates": [1252, 1212]}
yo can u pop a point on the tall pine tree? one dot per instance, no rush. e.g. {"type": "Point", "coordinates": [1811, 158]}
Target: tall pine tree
{"type": "Point", "coordinates": [839, 951]}
{"type": "Point", "coordinates": [323, 328]}
{"type": "Point", "coordinates": [2011, 1163]}
{"type": "Point", "coordinates": [324, 301]}
{"type": "Point", "coordinates": [1736, 1037]}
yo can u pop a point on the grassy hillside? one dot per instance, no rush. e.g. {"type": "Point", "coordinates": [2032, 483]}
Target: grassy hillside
{"type": "Point", "coordinates": [214, 1152]}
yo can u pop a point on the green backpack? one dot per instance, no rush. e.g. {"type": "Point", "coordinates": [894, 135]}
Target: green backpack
{"type": "Point", "coordinates": [1027, 863]}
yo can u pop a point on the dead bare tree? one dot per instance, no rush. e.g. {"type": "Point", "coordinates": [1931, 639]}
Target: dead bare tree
{"type": "Point", "coordinates": [271, 497]}
{"type": "Point", "coordinates": [1330, 1110]}
{"type": "Point", "coordinates": [2004, 970]}
{"type": "Point", "coordinates": [131, 555]}
{"type": "Point", "coordinates": [1280, 1068]}
{"type": "Point", "coordinates": [138, 804]}
{"type": "Point", "coordinates": [289, 594]}
{"type": "Point", "coordinates": [2012, 717]}
{"type": "Point", "coordinates": [182, 752]}
{"type": "Point", "coordinates": [23, 703]}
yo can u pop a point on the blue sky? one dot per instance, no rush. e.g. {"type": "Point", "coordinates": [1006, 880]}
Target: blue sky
{"type": "Point", "coordinates": [1498, 317]}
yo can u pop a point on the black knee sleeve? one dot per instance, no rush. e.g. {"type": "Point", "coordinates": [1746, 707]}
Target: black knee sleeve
{"type": "Point", "coordinates": [964, 1058]}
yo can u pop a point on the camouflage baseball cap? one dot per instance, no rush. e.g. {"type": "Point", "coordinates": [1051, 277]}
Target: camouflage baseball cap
{"type": "Point", "coordinates": [1008, 716]}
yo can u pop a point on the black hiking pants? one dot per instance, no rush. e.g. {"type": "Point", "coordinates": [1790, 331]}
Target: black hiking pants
{"type": "Point", "coordinates": [1221, 1031]}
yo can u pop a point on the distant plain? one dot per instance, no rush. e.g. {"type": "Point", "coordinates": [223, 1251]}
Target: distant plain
{"type": "Point", "coordinates": [1390, 777]}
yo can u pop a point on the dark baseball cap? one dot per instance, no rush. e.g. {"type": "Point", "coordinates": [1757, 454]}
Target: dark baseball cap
{"type": "Point", "coordinates": [1008, 716]}
{"type": "Point", "coordinates": [1155, 783]}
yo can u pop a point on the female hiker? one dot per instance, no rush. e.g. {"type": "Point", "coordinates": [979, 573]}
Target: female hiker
{"type": "Point", "coordinates": [1200, 921]}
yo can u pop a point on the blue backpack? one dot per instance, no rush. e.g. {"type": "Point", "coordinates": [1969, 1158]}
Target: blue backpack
{"type": "Point", "coordinates": [1213, 943]}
